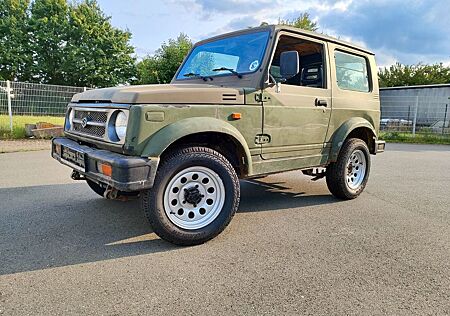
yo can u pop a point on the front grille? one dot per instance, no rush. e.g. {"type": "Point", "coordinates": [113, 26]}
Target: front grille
{"type": "Point", "coordinates": [92, 116]}
{"type": "Point", "coordinates": [92, 130]}
{"type": "Point", "coordinates": [95, 122]}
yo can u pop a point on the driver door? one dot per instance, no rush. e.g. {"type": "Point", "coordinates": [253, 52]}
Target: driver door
{"type": "Point", "coordinates": [297, 113]}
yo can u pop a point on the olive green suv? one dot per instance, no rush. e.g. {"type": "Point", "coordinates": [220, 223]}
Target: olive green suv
{"type": "Point", "coordinates": [244, 104]}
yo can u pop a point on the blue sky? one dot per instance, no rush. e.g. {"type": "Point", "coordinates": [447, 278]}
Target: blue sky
{"type": "Point", "coordinates": [404, 31]}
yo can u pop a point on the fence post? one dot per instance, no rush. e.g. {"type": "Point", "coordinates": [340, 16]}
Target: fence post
{"type": "Point", "coordinates": [8, 95]}
{"type": "Point", "coordinates": [415, 116]}
{"type": "Point", "coordinates": [445, 119]}
{"type": "Point", "coordinates": [409, 113]}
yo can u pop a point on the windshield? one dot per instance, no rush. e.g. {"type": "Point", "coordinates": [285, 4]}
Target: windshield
{"type": "Point", "coordinates": [242, 54]}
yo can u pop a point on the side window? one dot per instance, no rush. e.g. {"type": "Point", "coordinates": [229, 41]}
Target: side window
{"type": "Point", "coordinates": [351, 72]}
{"type": "Point", "coordinates": [311, 62]}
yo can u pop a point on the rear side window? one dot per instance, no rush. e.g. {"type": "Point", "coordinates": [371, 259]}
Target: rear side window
{"type": "Point", "coordinates": [351, 72]}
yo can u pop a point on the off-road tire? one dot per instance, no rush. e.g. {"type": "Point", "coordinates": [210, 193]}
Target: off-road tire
{"type": "Point", "coordinates": [336, 171]}
{"type": "Point", "coordinates": [173, 164]}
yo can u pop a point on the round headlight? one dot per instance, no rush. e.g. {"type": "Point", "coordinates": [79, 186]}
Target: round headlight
{"type": "Point", "coordinates": [120, 125]}
{"type": "Point", "coordinates": [69, 120]}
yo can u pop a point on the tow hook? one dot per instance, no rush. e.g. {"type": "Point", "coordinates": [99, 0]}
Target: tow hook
{"type": "Point", "coordinates": [114, 194]}
{"type": "Point", "coordinates": [110, 193]}
{"type": "Point", "coordinates": [77, 176]}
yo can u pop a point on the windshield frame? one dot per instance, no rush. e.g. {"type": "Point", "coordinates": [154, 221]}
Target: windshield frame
{"type": "Point", "coordinates": [249, 79]}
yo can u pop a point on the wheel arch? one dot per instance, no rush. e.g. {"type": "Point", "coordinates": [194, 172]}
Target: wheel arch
{"type": "Point", "coordinates": [210, 132]}
{"type": "Point", "coordinates": [353, 128]}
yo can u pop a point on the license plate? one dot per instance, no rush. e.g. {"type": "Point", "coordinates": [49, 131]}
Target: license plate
{"type": "Point", "coordinates": [73, 156]}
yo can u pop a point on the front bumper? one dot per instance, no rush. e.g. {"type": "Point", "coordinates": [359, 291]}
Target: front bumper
{"type": "Point", "coordinates": [129, 173]}
{"type": "Point", "coordinates": [380, 145]}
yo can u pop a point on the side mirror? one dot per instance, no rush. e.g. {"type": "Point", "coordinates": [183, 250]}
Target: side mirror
{"type": "Point", "coordinates": [289, 64]}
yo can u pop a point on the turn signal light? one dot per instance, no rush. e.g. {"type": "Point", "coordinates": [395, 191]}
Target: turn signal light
{"type": "Point", "coordinates": [105, 169]}
{"type": "Point", "coordinates": [236, 116]}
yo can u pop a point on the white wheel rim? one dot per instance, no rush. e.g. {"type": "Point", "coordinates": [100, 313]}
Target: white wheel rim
{"type": "Point", "coordinates": [194, 197]}
{"type": "Point", "coordinates": [356, 170]}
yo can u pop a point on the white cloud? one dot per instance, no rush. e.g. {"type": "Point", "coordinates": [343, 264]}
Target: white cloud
{"type": "Point", "coordinates": [384, 59]}
{"type": "Point", "coordinates": [341, 6]}
{"type": "Point", "coordinates": [396, 31]}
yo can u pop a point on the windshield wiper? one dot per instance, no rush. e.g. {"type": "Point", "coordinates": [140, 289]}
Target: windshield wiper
{"type": "Point", "coordinates": [234, 72]}
{"type": "Point", "coordinates": [194, 75]}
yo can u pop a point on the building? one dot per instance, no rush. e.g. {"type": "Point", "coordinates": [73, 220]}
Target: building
{"type": "Point", "coordinates": [428, 104]}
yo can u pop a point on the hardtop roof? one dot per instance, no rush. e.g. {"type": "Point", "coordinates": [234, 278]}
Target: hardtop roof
{"type": "Point", "coordinates": [277, 28]}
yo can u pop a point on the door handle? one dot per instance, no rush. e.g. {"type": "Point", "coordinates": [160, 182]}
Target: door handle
{"type": "Point", "coordinates": [321, 103]}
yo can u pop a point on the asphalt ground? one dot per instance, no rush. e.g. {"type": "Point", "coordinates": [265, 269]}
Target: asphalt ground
{"type": "Point", "coordinates": [291, 249]}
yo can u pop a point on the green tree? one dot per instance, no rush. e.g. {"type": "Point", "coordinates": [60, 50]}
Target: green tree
{"type": "Point", "coordinates": [49, 28]}
{"type": "Point", "coordinates": [75, 44]}
{"type": "Point", "coordinates": [14, 55]}
{"type": "Point", "coordinates": [303, 21]}
{"type": "Point", "coordinates": [408, 75]}
{"type": "Point", "coordinates": [162, 66]}
{"type": "Point", "coordinates": [97, 53]}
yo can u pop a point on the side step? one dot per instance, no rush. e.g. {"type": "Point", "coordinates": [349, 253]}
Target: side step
{"type": "Point", "coordinates": [316, 173]}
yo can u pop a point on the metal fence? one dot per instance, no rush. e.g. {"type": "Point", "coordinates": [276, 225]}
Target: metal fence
{"type": "Point", "coordinates": [415, 114]}
{"type": "Point", "coordinates": [405, 114]}
{"type": "Point", "coordinates": [33, 99]}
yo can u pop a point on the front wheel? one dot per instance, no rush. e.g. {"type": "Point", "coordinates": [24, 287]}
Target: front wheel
{"type": "Point", "coordinates": [347, 177]}
{"type": "Point", "coordinates": [195, 194]}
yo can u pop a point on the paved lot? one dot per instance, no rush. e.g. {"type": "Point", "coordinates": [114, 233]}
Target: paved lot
{"type": "Point", "coordinates": [291, 249]}
{"type": "Point", "coordinates": [9, 146]}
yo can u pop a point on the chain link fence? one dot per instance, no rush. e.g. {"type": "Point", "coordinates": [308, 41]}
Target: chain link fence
{"type": "Point", "coordinates": [415, 115]}
{"type": "Point", "coordinates": [19, 101]}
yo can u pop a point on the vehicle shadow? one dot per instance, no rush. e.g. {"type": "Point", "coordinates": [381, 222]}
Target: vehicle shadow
{"type": "Point", "coordinates": [58, 225]}
{"type": "Point", "coordinates": [260, 196]}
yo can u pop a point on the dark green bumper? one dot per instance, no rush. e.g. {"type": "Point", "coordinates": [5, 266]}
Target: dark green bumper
{"type": "Point", "coordinates": [129, 173]}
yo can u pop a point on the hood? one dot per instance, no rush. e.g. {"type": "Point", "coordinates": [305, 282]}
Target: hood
{"type": "Point", "coordinates": [164, 93]}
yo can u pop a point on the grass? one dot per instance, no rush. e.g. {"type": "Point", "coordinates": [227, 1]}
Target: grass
{"type": "Point", "coordinates": [425, 138]}
{"type": "Point", "coordinates": [19, 122]}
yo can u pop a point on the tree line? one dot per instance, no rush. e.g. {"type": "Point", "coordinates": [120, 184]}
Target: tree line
{"type": "Point", "coordinates": [74, 43]}
{"type": "Point", "coordinates": [60, 42]}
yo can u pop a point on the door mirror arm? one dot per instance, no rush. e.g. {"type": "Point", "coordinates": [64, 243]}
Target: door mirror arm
{"type": "Point", "coordinates": [278, 87]}
{"type": "Point", "coordinates": [275, 83]}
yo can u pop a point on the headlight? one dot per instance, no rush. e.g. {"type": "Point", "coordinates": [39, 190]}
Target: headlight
{"type": "Point", "coordinates": [69, 119]}
{"type": "Point", "coordinates": [71, 116]}
{"type": "Point", "coordinates": [120, 125]}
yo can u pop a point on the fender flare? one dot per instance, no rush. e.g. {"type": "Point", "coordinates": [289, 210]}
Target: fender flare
{"type": "Point", "coordinates": [344, 130]}
{"type": "Point", "coordinates": [167, 135]}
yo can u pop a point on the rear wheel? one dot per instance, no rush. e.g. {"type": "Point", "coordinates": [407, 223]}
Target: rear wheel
{"type": "Point", "coordinates": [347, 177]}
{"type": "Point", "coordinates": [195, 194]}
